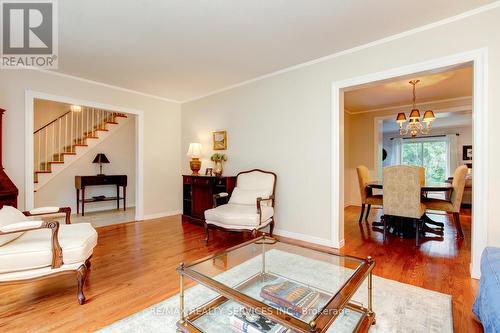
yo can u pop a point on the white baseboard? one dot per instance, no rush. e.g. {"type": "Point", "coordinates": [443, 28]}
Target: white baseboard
{"type": "Point", "coordinates": [475, 272]}
{"type": "Point", "coordinates": [305, 238]}
{"type": "Point", "coordinates": [159, 215]}
{"type": "Point", "coordinates": [103, 208]}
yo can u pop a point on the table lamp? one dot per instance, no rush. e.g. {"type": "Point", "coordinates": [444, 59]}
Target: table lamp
{"type": "Point", "coordinates": [100, 158]}
{"type": "Point", "coordinates": [194, 152]}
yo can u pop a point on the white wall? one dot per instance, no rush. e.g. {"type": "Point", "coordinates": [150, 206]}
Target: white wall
{"type": "Point", "coordinates": [283, 122]}
{"type": "Point", "coordinates": [162, 181]}
{"type": "Point", "coordinates": [46, 111]}
{"type": "Point", "coordinates": [119, 148]}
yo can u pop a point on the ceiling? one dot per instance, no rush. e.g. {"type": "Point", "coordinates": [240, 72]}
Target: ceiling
{"type": "Point", "coordinates": [180, 49]}
{"type": "Point", "coordinates": [443, 120]}
{"type": "Point", "coordinates": [449, 84]}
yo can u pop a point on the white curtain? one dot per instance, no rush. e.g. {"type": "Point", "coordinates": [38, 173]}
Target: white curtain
{"type": "Point", "coordinates": [453, 158]}
{"type": "Point", "coordinates": [397, 147]}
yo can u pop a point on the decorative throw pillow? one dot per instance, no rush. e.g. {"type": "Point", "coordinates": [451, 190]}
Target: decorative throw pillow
{"type": "Point", "coordinates": [10, 215]}
{"type": "Point", "coordinates": [247, 197]}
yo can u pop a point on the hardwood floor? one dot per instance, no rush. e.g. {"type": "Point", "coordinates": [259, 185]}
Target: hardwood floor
{"type": "Point", "coordinates": [134, 267]}
{"type": "Point", "coordinates": [441, 266]}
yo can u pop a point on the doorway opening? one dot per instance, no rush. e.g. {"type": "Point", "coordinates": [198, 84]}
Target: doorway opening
{"type": "Point", "coordinates": [85, 156]}
{"type": "Point", "coordinates": [344, 174]}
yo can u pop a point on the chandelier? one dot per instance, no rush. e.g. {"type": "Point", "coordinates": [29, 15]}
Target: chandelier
{"type": "Point", "coordinates": [414, 125]}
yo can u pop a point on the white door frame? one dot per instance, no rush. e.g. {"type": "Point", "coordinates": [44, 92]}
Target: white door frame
{"type": "Point", "coordinates": [480, 211]}
{"type": "Point", "coordinates": [30, 96]}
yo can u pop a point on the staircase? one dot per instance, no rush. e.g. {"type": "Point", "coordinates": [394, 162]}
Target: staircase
{"type": "Point", "coordinates": [68, 137]}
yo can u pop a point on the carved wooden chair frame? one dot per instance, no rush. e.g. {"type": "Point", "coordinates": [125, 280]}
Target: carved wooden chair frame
{"type": "Point", "coordinates": [57, 255]}
{"type": "Point", "coordinates": [217, 197]}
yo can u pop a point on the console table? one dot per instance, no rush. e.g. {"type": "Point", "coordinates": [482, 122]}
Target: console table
{"type": "Point", "coordinates": [83, 181]}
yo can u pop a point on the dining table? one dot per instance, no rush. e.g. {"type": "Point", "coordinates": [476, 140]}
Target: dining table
{"type": "Point", "coordinates": [442, 187]}
{"type": "Point", "coordinates": [427, 187]}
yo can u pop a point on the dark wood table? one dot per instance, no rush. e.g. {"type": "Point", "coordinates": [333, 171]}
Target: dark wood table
{"type": "Point", "coordinates": [409, 231]}
{"type": "Point", "coordinates": [428, 187]}
{"type": "Point", "coordinates": [83, 181]}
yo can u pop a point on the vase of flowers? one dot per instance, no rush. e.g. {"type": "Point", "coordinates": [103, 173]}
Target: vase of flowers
{"type": "Point", "coordinates": [218, 160]}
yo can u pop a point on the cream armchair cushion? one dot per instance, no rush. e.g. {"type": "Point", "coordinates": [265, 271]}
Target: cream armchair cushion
{"type": "Point", "coordinates": [234, 216]}
{"type": "Point", "coordinates": [256, 180]}
{"type": "Point", "coordinates": [33, 249]}
{"type": "Point", "coordinates": [10, 215]}
{"type": "Point", "coordinates": [44, 210]}
{"type": "Point", "coordinates": [242, 196]}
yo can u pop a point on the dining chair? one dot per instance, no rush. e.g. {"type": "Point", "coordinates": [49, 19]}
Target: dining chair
{"type": "Point", "coordinates": [367, 196]}
{"type": "Point", "coordinates": [453, 204]}
{"type": "Point", "coordinates": [402, 195]}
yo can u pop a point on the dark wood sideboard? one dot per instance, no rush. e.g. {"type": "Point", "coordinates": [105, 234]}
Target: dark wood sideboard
{"type": "Point", "coordinates": [8, 191]}
{"type": "Point", "coordinates": [198, 194]}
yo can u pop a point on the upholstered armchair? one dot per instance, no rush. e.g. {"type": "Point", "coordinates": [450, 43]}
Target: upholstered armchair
{"type": "Point", "coordinates": [453, 204]}
{"type": "Point", "coordinates": [367, 196]}
{"type": "Point", "coordinates": [250, 206]}
{"type": "Point", "coordinates": [33, 249]}
{"type": "Point", "coordinates": [402, 195]}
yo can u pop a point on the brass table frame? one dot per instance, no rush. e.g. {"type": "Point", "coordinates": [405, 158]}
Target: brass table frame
{"type": "Point", "coordinates": [323, 321]}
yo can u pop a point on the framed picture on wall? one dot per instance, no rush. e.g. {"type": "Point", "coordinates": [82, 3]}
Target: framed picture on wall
{"type": "Point", "coordinates": [220, 140]}
{"type": "Point", "coordinates": [467, 153]}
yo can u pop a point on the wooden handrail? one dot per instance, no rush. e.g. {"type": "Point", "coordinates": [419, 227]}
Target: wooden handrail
{"type": "Point", "coordinates": [53, 121]}
{"type": "Point", "coordinates": [64, 133]}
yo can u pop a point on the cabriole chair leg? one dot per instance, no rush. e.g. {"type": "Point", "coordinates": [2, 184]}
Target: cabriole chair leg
{"type": "Point", "coordinates": [81, 276]}
{"type": "Point", "coordinates": [88, 264]}
{"type": "Point", "coordinates": [206, 233]}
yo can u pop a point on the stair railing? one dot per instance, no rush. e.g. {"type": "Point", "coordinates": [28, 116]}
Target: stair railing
{"type": "Point", "coordinates": [61, 136]}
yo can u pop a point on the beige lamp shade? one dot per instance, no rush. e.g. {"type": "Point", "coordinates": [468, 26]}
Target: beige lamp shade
{"type": "Point", "coordinates": [428, 116]}
{"type": "Point", "coordinates": [415, 114]}
{"type": "Point", "coordinates": [194, 150]}
{"type": "Point", "coordinates": [401, 118]}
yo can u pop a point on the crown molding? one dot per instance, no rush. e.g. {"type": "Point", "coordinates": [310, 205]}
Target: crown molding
{"type": "Point", "coordinates": [468, 102]}
{"type": "Point", "coordinates": [384, 40]}
{"type": "Point", "coordinates": [102, 84]}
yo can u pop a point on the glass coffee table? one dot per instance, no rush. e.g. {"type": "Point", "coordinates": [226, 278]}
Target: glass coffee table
{"type": "Point", "coordinates": [265, 285]}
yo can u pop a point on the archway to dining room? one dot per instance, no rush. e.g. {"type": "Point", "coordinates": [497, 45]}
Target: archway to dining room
{"type": "Point", "coordinates": [367, 135]}
{"type": "Point", "coordinates": [454, 88]}
{"type": "Point", "coordinates": [376, 140]}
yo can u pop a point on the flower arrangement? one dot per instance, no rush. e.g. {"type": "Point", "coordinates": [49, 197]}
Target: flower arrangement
{"type": "Point", "coordinates": [218, 157]}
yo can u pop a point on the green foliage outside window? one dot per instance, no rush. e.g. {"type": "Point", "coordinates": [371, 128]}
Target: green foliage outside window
{"type": "Point", "coordinates": [431, 155]}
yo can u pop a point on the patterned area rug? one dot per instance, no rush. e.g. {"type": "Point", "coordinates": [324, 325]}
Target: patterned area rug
{"type": "Point", "coordinates": [398, 307]}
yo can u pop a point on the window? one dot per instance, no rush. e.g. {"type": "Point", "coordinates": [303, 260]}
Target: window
{"type": "Point", "coordinates": [432, 155]}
